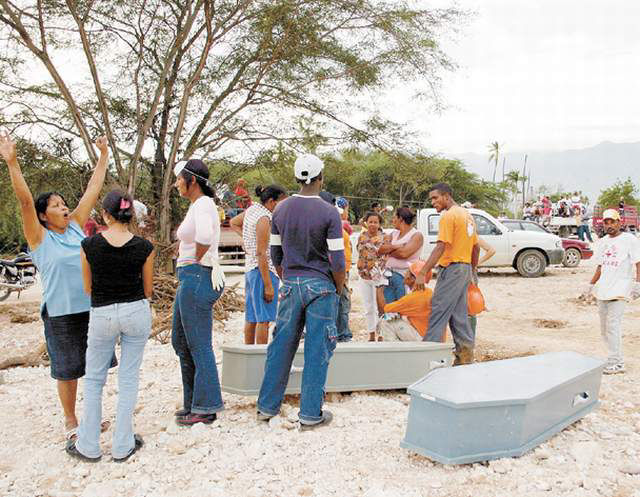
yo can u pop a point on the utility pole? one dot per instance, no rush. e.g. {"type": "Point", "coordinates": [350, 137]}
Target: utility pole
{"type": "Point", "coordinates": [524, 180]}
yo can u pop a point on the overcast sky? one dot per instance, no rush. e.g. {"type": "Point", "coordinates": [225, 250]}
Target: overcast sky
{"type": "Point", "coordinates": [542, 74]}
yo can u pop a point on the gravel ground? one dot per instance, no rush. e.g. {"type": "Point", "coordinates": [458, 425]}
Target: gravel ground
{"type": "Point", "coordinates": [358, 454]}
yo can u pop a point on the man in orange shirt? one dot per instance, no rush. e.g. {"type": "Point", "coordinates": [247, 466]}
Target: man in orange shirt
{"type": "Point", "coordinates": [456, 253]}
{"type": "Point", "coordinates": [416, 307]}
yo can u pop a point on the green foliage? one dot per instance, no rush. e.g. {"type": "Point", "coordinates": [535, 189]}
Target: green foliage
{"type": "Point", "coordinates": [610, 197]}
{"type": "Point", "coordinates": [368, 176]}
{"type": "Point", "coordinates": [168, 80]}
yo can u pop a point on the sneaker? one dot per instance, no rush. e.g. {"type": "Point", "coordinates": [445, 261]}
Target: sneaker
{"type": "Point", "coordinates": [181, 412]}
{"type": "Point", "coordinates": [326, 419]}
{"type": "Point", "coordinates": [614, 369]}
{"type": "Point", "coordinates": [260, 416]}
{"type": "Point", "coordinates": [193, 418]}
{"type": "Point", "coordinates": [138, 443]}
{"type": "Point", "coordinates": [73, 451]}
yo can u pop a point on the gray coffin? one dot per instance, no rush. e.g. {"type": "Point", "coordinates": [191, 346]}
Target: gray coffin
{"type": "Point", "coordinates": [354, 366]}
{"type": "Point", "coordinates": [499, 409]}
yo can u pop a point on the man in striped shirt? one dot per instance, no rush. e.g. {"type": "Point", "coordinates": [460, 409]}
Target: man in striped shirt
{"type": "Point", "coordinates": [307, 250]}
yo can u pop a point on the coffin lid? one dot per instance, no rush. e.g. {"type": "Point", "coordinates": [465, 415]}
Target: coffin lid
{"type": "Point", "coordinates": [510, 381]}
{"type": "Point", "coordinates": [352, 347]}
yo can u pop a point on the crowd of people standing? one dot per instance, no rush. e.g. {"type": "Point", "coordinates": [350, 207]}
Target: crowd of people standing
{"type": "Point", "coordinates": [96, 290]}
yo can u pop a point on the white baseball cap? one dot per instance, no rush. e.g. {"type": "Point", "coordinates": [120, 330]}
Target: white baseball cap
{"type": "Point", "coordinates": [307, 167]}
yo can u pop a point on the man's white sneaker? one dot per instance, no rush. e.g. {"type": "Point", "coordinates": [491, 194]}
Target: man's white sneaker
{"type": "Point", "coordinates": [614, 369]}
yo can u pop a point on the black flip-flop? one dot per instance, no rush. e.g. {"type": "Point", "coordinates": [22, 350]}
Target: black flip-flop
{"type": "Point", "coordinates": [73, 451]}
{"type": "Point", "coordinates": [137, 445]}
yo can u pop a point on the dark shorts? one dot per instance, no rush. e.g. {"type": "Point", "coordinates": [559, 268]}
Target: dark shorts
{"type": "Point", "coordinates": [66, 338]}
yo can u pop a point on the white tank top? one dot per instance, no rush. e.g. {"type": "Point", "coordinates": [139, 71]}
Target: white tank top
{"type": "Point", "coordinates": [394, 263]}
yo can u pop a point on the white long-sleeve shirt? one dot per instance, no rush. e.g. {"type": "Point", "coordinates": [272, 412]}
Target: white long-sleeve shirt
{"type": "Point", "coordinates": [200, 225]}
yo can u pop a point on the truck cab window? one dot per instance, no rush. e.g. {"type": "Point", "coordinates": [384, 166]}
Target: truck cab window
{"type": "Point", "coordinates": [485, 227]}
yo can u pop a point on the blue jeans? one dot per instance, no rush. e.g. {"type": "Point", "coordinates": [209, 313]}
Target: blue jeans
{"type": "Point", "coordinates": [191, 337]}
{"type": "Point", "coordinates": [342, 323]}
{"type": "Point", "coordinates": [131, 321]}
{"type": "Point", "coordinates": [395, 289]}
{"type": "Point", "coordinates": [584, 230]}
{"type": "Point", "coordinates": [310, 303]}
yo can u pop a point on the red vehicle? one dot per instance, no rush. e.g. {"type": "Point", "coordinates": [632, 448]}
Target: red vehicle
{"type": "Point", "coordinates": [629, 219]}
{"type": "Point", "coordinates": [574, 250]}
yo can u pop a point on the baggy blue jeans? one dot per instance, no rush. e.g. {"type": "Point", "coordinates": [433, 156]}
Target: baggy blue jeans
{"type": "Point", "coordinates": [395, 289]}
{"type": "Point", "coordinates": [449, 305]}
{"type": "Point", "coordinates": [310, 303]}
{"type": "Point", "coordinates": [342, 323]}
{"type": "Point", "coordinates": [191, 337]}
{"type": "Point", "coordinates": [131, 321]}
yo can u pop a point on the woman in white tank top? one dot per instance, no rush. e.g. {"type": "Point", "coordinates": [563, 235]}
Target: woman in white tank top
{"type": "Point", "coordinates": [404, 249]}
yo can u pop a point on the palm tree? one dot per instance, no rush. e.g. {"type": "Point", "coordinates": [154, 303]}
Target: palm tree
{"type": "Point", "coordinates": [494, 155]}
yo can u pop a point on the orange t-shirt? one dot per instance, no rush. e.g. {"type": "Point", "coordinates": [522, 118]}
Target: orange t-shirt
{"type": "Point", "coordinates": [347, 250]}
{"type": "Point", "coordinates": [416, 306]}
{"type": "Point", "coordinates": [458, 232]}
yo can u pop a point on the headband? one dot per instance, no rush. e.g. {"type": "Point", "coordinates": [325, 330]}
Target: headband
{"type": "Point", "coordinates": [182, 166]}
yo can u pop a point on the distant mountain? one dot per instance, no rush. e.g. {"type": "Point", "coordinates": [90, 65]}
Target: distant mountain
{"type": "Point", "coordinates": [588, 170]}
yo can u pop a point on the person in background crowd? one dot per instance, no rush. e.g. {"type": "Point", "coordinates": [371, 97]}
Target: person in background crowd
{"type": "Point", "coordinates": [414, 307]}
{"type": "Point", "coordinates": [261, 281]}
{"type": "Point", "coordinates": [613, 284]}
{"type": "Point", "coordinates": [54, 234]}
{"type": "Point", "coordinates": [201, 282]}
{"type": "Point", "coordinates": [456, 252]}
{"type": "Point", "coordinates": [243, 200]}
{"type": "Point", "coordinates": [371, 268]}
{"type": "Point", "coordinates": [403, 249]}
{"type": "Point", "coordinates": [141, 213]}
{"type": "Point", "coordinates": [546, 207]}
{"type": "Point", "coordinates": [90, 228]}
{"type": "Point", "coordinates": [117, 269]}
{"type": "Point", "coordinates": [343, 204]}
{"type": "Point", "coordinates": [489, 252]}
{"type": "Point", "coordinates": [307, 249]}
{"type": "Point", "coordinates": [527, 212]}
{"type": "Point", "coordinates": [344, 305]}
{"type": "Point", "coordinates": [576, 200]}
{"type": "Point", "coordinates": [377, 208]}
{"type": "Point", "coordinates": [583, 225]}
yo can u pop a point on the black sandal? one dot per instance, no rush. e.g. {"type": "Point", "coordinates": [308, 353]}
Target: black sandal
{"type": "Point", "coordinates": [137, 445]}
{"type": "Point", "coordinates": [73, 451]}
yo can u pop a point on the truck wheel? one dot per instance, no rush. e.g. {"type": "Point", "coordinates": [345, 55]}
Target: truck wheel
{"type": "Point", "coordinates": [572, 257]}
{"type": "Point", "coordinates": [531, 264]}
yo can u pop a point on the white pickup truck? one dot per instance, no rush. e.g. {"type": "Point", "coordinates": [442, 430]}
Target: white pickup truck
{"type": "Point", "coordinates": [528, 252]}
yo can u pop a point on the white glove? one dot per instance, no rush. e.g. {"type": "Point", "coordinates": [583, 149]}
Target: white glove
{"type": "Point", "coordinates": [217, 275]}
{"type": "Point", "coordinates": [588, 290]}
{"type": "Point", "coordinates": [635, 291]}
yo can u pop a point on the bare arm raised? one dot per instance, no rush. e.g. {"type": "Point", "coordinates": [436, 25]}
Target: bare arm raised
{"type": "Point", "coordinates": [81, 213]}
{"type": "Point", "coordinates": [33, 230]}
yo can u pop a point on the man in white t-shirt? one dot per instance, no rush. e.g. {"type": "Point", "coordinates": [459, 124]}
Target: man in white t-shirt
{"type": "Point", "coordinates": [613, 284]}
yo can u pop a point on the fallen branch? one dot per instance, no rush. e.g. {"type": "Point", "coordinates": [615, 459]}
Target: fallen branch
{"type": "Point", "coordinates": [38, 357]}
{"type": "Point", "coordinates": [164, 291]}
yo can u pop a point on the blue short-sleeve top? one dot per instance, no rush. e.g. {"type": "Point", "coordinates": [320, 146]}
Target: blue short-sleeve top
{"type": "Point", "coordinates": [58, 260]}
